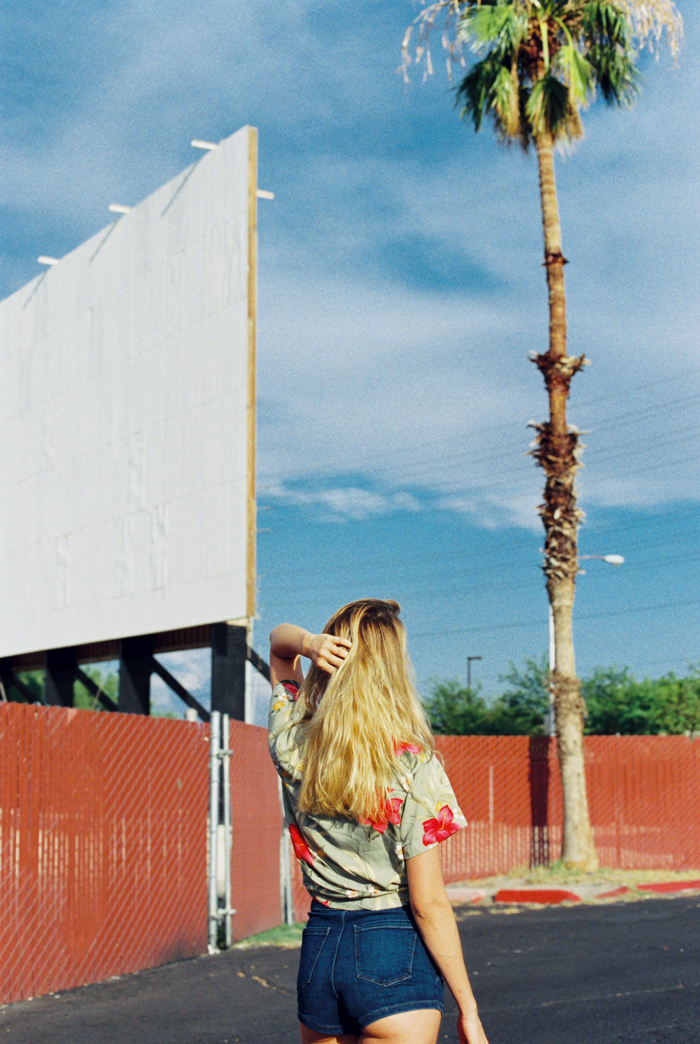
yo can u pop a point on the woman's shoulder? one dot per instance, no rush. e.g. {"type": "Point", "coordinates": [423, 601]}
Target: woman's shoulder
{"type": "Point", "coordinates": [282, 722]}
{"type": "Point", "coordinates": [282, 703]}
{"type": "Point", "coordinates": [287, 689]}
{"type": "Point", "coordinates": [421, 770]}
{"type": "Point", "coordinates": [411, 756]}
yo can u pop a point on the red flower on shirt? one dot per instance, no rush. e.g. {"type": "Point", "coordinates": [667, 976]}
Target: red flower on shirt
{"type": "Point", "coordinates": [301, 848]}
{"type": "Point", "coordinates": [392, 814]}
{"type": "Point", "coordinates": [440, 828]}
{"type": "Point", "coordinates": [400, 749]}
{"type": "Point", "coordinates": [291, 688]}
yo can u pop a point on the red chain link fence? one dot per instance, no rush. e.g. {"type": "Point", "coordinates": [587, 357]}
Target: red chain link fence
{"type": "Point", "coordinates": [256, 822]}
{"type": "Point", "coordinates": [643, 795]}
{"type": "Point", "coordinates": [103, 845]}
{"type": "Point", "coordinates": [103, 831]}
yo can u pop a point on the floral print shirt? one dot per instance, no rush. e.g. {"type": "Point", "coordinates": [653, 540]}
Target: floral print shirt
{"type": "Point", "coordinates": [349, 865]}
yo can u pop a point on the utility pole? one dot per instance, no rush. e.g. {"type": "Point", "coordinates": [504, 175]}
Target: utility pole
{"type": "Point", "coordinates": [469, 669]}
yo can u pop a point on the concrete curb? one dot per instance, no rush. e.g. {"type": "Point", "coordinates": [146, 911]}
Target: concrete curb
{"type": "Point", "coordinates": [623, 890]}
{"type": "Point", "coordinates": [542, 896]}
{"type": "Point", "coordinates": [663, 887]}
{"type": "Point", "coordinates": [461, 894]}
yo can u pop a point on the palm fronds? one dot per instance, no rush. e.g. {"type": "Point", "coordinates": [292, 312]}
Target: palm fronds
{"type": "Point", "coordinates": [530, 54]}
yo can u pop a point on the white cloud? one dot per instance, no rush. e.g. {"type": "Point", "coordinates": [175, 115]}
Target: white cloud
{"type": "Point", "coordinates": [342, 503]}
{"type": "Point", "coordinates": [400, 278]}
{"type": "Point", "coordinates": [517, 510]}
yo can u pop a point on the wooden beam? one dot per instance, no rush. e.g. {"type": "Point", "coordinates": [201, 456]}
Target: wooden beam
{"type": "Point", "coordinates": [258, 662]}
{"type": "Point", "coordinates": [251, 512]}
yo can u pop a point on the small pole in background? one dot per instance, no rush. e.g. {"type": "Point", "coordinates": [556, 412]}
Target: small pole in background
{"type": "Point", "coordinates": [285, 866]}
{"type": "Point", "coordinates": [214, 789]}
{"type": "Point", "coordinates": [550, 725]}
{"type": "Point", "coordinates": [550, 719]}
{"type": "Point", "coordinates": [226, 757]}
{"type": "Point", "coordinates": [469, 669]}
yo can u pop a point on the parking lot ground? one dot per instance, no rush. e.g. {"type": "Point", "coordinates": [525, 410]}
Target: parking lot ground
{"type": "Point", "coordinates": [583, 974]}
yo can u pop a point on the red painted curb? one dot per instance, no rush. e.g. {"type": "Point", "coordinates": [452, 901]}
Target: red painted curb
{"type": "Point", "coordinates": [465, 895]}
{"type": "Point", "coordinates": [670, 886]}
{"type": "Point", "coordinates": [549, 896]}
{"type": "Point", "coordinates": [623, 890]}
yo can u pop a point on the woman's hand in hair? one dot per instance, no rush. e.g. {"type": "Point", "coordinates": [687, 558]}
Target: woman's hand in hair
{"type": "Point", "coordinates": [326, 651]}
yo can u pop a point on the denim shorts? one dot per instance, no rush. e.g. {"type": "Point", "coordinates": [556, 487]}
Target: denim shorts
{"type": "Point", "coordinates": [357, 966]}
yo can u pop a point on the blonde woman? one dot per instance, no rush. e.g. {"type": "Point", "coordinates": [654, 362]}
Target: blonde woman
{"type": "Point", "coordinates": [367, 804]}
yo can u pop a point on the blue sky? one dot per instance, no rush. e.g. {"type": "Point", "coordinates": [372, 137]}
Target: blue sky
{"type": "Point", "coordinates": [400, 291]}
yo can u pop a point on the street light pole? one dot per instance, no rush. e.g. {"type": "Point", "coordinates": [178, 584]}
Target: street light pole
{"type": "Point", "coordinates": [469, 669]}
{"type": "Point", "coordinates": [614, 560]}
{"type": "Point", "coordinates": [551, 723]}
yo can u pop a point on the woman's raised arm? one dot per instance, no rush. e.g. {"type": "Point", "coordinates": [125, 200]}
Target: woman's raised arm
{"type": "Point", "coordinates": [288, 643]}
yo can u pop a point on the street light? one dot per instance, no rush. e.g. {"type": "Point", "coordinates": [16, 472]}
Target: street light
{"type": "Point", "coordinates": [614, 560]}
{"type": "Point", "coordinates": [469, 669]}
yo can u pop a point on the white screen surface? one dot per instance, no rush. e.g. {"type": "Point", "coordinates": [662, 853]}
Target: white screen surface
{"type": "Point", "coordinates": [124, 427]}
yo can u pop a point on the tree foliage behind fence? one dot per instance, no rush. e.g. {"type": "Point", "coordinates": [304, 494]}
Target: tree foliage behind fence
{"type": "Point", "coordinates": [103, 831]}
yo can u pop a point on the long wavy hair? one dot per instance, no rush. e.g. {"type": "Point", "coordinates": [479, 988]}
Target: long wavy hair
{"type": "Point", "coordinates": [354, 723]}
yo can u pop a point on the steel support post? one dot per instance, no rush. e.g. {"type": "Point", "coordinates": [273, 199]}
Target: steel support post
{"type": "Point", "coordinates": [7, 676]}
{"type": "Point", "coordinates": [226, 787]}
{"type": "Point", "coordinates": [229, 646]}
{"type": "Point", "coordinates": [60, 666]}
{"type": "Point", "coordinates": [135, 668]}
{"type": "Point", "coordinates": [214, 789]}
{"type": "Point", "coordinates": [11, 681]}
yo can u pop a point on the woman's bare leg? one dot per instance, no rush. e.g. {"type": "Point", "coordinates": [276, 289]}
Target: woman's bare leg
{"type": "Point", "coordinates": [409, 1027]}
{"type": "Point", "coordinates": [309, 1036]}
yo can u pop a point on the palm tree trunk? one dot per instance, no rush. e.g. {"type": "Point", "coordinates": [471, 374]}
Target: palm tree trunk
{"type": "Point", "coordinates": [556, 451]}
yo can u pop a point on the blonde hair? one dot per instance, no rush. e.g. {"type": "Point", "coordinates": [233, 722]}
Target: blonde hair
{"type": "Point", "coordinates": [354, 721]}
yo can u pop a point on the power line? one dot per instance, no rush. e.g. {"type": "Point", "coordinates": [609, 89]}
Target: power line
{"type": "Point", "coordinates": [651, 467]}
{"type": "Point", "coordinates": [645, 411]}
{"type": "Point", "coordinates": [666, 517]}
{"type": "Point", "coordinates": [465, 579]}
{"type": "Point", "coordinates": [543, 622]}
{"type": "Point", "coordinates": [641, 413]}
{"type": "Point", "coordinates": [591, 533]}
{"type": "Point", "coordinates": [650, 441]}
{"type": "Point", "coordinates": [665, 438]}
{"type": "Point", "coordinates": [517, 474]}
{"type": "Point", "coordinates": [641, 387]}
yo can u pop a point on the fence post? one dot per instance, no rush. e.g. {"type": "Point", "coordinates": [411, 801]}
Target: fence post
{"type": "Point", "coordinates": [285, 867]}
{"type": "Point", "coordinates": [214, 790]}
{"type": "Point", "coordinates": [225, 758]}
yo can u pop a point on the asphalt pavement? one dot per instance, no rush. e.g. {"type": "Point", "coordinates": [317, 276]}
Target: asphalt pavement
{"type": "Point", "coordinates": [623, 972]}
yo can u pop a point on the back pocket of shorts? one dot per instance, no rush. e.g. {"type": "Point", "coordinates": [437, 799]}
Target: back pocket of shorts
{"type": "Point", "coordinates": [384, 953]}
{"type": "Point", "coordinates": [312, 941]}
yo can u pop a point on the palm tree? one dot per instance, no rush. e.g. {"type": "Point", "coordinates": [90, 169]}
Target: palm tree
{"type": "Point", "coordinates": [539, 62]}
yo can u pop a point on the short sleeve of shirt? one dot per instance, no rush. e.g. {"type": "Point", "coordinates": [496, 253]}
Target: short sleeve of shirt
{"type": "Point", "coordinates": [280, 736]}
{"type": "Point", "coordinates": [431, 813]}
